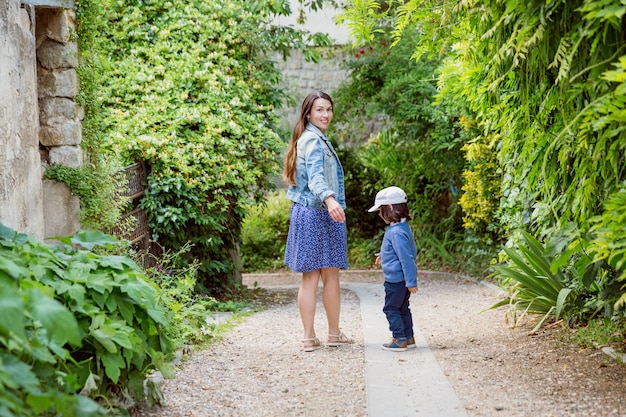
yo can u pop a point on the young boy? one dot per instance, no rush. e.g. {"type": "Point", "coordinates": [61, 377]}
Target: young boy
{"type": "Point", "coordinates": [397, 258]}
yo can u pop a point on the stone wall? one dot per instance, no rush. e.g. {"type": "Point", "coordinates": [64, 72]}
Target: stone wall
{"type": "Point", "coordinates": [39, 119]}
{"type": "Point", "coordinates": [21, 195]}
{"type": "Point", "coordinates": [302, 77]}
{"type": "Point", "coordinates": [59, 115]}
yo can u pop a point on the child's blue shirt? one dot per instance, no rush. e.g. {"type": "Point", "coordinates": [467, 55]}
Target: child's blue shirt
{"type": "Point", "coordinates": [398, 253]}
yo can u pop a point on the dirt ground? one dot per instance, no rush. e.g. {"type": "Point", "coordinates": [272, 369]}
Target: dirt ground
{"type": "Point", "coordinates": [259, 369]}
{"type": "Point", "coordinates": [497, 370]}
{"type": "Point", "coordinates": [500, 371]}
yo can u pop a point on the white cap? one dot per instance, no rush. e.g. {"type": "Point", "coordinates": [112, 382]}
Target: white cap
{"type": "Point", "coordinates": [389, 195]}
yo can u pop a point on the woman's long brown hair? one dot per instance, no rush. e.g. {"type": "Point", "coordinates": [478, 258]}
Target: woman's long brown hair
{"type": "Point", "coordinates": [289, 170]}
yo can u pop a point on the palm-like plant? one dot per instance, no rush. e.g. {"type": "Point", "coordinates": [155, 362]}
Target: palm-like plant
{"type": "Point", "coordinates": [536, 282]}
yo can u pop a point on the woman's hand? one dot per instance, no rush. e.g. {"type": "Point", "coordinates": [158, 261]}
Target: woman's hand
{"type": "Point", "coordinates": [412, 290]}
{"type": "Point", "coordinates": [335, 210]}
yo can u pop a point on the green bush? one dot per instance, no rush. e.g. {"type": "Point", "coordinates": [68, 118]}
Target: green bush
{"type": "Point", "coordinates": [608, 245]}
{"type": "Point", "coordinates": [76, 325]}
{"type": "Point", "coordinates": [186, 307]}
{"type": "Point", "coordinates": [190, 89]}
{"type": "Point", "coordinates": [542, 103]}
{"type": "Point", "coordinates": [539, 280]}
{"type": "Point", "coordinates": [418, 149]}
{"type": "Point", "coordinates": [264, 234]}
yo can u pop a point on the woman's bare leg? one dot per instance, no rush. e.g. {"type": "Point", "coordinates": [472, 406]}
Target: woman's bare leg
{"type": "Point", "coordinates": [307, 300]}
{"type": "Point", "coordinates": [332, 298]}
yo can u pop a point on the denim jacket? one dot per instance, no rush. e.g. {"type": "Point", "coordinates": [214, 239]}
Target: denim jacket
{"type": "Point", "coordinates": [319, 174]}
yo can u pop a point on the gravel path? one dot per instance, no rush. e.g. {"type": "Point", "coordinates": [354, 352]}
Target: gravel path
{"type": "Point", "coordinates": [259, 369]}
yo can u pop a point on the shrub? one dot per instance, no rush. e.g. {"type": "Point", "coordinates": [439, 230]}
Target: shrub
{"type": "Point", "coordinates": [188, 308]}
{"type": "Point", "coordinates": [537, 282]}
{"type": "Point", "coordinates": [191, 90]}
{"type": "Point", "coordinates": [608, 244]}
{"type": "Point", "coordinates": [76, 324]}
{"type": "Point", "coordinates": [418, 149]}
{"type": "Point", "coordinates": [264, 235]}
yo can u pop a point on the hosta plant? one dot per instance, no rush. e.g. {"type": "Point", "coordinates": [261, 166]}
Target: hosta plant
{"type": "Point", "coordinates": [78, 325]}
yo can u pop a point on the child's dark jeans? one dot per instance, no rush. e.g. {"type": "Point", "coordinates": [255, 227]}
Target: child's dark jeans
{"type": "Point", "coordinates": [397, 310]}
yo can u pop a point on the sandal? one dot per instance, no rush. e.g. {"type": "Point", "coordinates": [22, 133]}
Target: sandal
{"type": "Point", "coordinates": [342, 339]}
{"type": "Point", "coordinates": [316, 344]}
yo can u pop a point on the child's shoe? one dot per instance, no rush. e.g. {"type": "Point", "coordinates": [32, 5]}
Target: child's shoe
{"type": "Point", "coordinates": [410, 344]}
{"type": "Point", "coordinates": [396, 345]}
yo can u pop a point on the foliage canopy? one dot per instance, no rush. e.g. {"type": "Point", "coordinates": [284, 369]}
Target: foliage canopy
{"type": "Point", "coordinates": [539, 88]}
{"type": "Point", "coordinates": [189, 87]}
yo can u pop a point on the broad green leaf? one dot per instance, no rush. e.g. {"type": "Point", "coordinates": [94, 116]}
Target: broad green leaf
{"type": "Point", "coordinates": [55, 318]}
{"type": "Point", "coordinates": [100, 281]}
{"type": "Point", "coordinates": [11, 310]}
{"type": "Point", "coordinates": [86, 407]}
{"type": "Point", "coordinates": [11, 269]}
{"type": "Point", "coordinates": [77, 293]}
{"type": "Point", "coordinates": [103, 332]}
{"type": "Point", "coordinates": [42, 353]}
{"type": "Point", "coordinates": [140, 291]}
{"type": "Point", "coordinates": [158, 316]}
{"type": "Point", "coordinates": [118, 262]}
{"type": "Point", "coordinates": [6, 233]}
{"type": "Point", "coordinates": [39, 402]}
{"type": "Point", "coordinates": [122, 335]}
{"type": "Point", "coordinates": [88, 239]}
{"type": "Point", "coordinates": [21, 375]}
{"type": "Point", "coordinates": [112, 365]}
{"type": "Point", "coordinates": [127, 311]}
{"type": "Point", "coordinates": [560, 302]}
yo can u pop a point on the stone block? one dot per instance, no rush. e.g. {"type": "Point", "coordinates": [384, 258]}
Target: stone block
{"type": "Point", "coordinates": [69, 156]}
{"type": "Point", "coordinates": [325, 76]}
{"type": "Point", "coordinates": [61, 134]}
{"type": "Point", "coordinates": [55, 55]}
{"type": "Point", "coordinates": [56, 110]}
{"type": "Point", "coordinates": [294, 65]}
{"type": "Point", "coordinates": [310, 66]}
{"type": "Point", "coordinates": [60, 209]}
{"type": "Point", "coordinates": [62, 83]}
{"type": "Point", "coordinates": [54, 24]}
{"type": "Point", "coordinates": [25, 20]}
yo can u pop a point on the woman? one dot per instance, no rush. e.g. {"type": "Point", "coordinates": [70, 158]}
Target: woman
{"type": "Point", "coordinates": [316, 243]}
